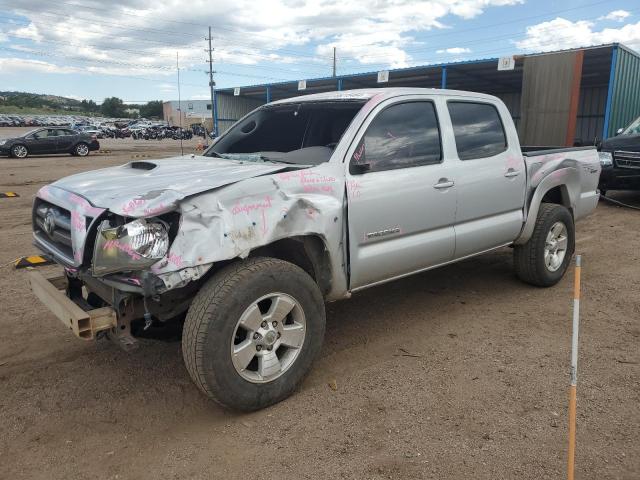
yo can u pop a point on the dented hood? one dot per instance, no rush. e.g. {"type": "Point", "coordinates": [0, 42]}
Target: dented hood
{"type": "Point", "coordinates": [153, 186]}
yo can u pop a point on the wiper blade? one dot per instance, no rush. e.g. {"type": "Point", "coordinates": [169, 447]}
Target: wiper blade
{"type": "Point", "coordinates": [267, 159]}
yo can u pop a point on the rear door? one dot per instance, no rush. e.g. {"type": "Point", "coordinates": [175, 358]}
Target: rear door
{"type": "Point", "coordinates": [401, 200]}
{"type": "Point", "coordinates": [65, 140]}
{"type": "Point", "coordinates": [490, 178]}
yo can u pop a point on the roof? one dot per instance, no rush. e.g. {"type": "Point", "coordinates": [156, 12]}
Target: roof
{"type": "Point", "coordinates": [478, 75]}
{"type": "Point", "coordinates": [367, 93]}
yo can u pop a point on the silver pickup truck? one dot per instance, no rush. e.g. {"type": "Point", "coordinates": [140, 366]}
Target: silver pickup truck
{"type": "Point", "coordinates": [302, 201]}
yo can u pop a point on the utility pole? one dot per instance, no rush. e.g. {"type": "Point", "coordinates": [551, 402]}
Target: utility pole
{"type": "Point", "coordinates": [211, 85]}
{"type": "Point", "coordinates": [179, 103]}
{"type": "Point", "coordinates": [334, 61]}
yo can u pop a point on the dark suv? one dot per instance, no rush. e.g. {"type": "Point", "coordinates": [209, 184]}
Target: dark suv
{"type": "Point", "coordinates": [49, 140]}
{"type": "Point", "coordinates": [620, 159]}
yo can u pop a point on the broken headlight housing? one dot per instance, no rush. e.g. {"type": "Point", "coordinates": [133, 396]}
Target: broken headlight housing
{"type": "Point", "coordinates": [606, 159]}
{"type": "Point", "coordinates": [133, 246]}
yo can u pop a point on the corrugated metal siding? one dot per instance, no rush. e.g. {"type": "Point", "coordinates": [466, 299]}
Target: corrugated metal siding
{"type": "Point", "coordinates": [590, 121]}
{"type": "Point", "coordinates": [547, 84]}
{"type": "Point", "coordinates": [231, 109]}
{"type": "Point", "coordinates": [512, 101]}
{"type": "Point", "coordinates": [625, 103]}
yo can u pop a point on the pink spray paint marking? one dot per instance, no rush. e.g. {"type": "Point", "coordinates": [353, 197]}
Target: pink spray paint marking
{"type": "Point", "coordinates": [109, 244]}
{"type": "Point", "coordinates": [77, 221]}
{"type": "Point", "coordinates": [254, 207]}
{"type": "Point", "coordinates": [155, 210]}
{"type": "Point", "coordinates": [310, 181]}
{"type": "Point", "coordinates": [353, 187]}
{"type": "Point", "coordinates": [131, 205]}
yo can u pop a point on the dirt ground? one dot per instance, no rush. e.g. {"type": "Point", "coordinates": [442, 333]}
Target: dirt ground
{"type": "Point", "coordinates": [457, 373]}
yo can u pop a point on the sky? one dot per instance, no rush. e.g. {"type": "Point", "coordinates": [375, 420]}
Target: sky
{"type": "Point", "coordinates": [92, 49]}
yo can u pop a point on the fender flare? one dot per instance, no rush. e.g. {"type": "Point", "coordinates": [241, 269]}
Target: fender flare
{"type": "Point", "coordinates": [569, 180]}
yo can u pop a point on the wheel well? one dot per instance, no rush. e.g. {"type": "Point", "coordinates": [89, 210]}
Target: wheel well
{"type": "Point", "coordinates": [558, 195]}
{"type": "Point", "coordinates": [307, 252]}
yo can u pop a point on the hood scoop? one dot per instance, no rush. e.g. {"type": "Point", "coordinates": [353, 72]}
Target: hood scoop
{"type": "Point", "coordinates": [143, 165]}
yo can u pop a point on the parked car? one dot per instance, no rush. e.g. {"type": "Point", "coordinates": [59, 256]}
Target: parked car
{"type": "Point", "coordinates": [302, 201]}
{"type": "Point", "coordinates": [620, 158]}
{"type": "Point", "coordinates": [49, 140]}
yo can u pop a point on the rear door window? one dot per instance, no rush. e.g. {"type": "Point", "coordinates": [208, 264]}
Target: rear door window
{"type": "Point", "coordinates": [478, 130]}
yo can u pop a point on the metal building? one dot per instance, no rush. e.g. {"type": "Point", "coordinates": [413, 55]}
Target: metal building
{"type": "Point", "coordinates": [227, 110]}
{"type": "Point", "coordinates": [566, 97]}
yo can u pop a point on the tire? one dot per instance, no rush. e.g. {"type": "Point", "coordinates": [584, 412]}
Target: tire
{"type": "Point", "coordinates": [214, 329]}
{"type": "Point", "coordinates": [19, 151]}
{"type": "Point", "coordinates": [81, 150]}
{"type": "Point", "coordinates": [531, 264]}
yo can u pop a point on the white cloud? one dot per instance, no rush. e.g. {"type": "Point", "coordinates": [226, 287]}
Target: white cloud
{"type": "Point", "coordinates": [560, 33]}
{"type": "Point", "coordinates": [616, 15]}
{"type": "Point", "coordinates": [246, 32]}
{"type": "Point", "coordinates": [22, 65]}
{"type": "Point", "coordinates": [454, 50]}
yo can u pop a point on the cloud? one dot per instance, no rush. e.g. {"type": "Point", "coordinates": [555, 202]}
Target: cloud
{"type": "Point", "coordinates": [455, 50]}
{"type": "Point", "coordinates": [560, 33]}
{"type": "Point", "coordinates": [616, 16]}
{"type": "Point", "coordinates": [22, 65]}
{"type": "Point", "coordinates": [261, 35]}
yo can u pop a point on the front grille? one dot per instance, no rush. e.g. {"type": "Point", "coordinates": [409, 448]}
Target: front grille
{"type": "Point", "coordinates": [52, 226]}
{"type": "Point", "coordinates": [627, 159]}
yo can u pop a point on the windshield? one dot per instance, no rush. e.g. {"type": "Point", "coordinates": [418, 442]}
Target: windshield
{"type": "Point", "coordinates": [301, 133]}
{"type": "Point", "coordinates": [632, 129]}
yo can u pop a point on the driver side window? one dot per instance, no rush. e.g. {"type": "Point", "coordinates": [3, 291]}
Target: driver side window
{"type": "Point", "coordinates": [403, 135]}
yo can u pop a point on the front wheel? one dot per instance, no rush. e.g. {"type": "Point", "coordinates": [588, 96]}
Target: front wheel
{"type": "Point", "coordinates": [19, 151]}
{"type": "Point", "coordinates": [252, 332]}
{"type": "Point", "coordinates": [544, 259]}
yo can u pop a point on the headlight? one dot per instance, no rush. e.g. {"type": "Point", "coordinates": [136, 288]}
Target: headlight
{"type": "Point", "coordinates": [134, 246]}
{"type": "Point", "coordinates": [2, 142]}
{"type": "Point", "coordinates": [606, 159]}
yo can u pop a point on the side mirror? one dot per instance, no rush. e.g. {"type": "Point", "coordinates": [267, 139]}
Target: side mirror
{"type": "Point", "coordinates": [619, 131]}
{"type": "Point", "coordinates": [359, 168]}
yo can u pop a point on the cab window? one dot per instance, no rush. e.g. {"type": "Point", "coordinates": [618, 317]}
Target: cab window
{"type": "Point", "coordinates": [403, 135]}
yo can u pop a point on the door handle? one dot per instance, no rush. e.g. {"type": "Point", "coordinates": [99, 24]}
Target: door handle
{"type": "Point", "coordinates": [511, 173]}
{"type": "Point", "coordinates": [444, 183]}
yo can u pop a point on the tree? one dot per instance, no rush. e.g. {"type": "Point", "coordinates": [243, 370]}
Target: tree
{"type": "Point", "coordinates": [89, 106]}
{"type": "Point", "coordinates": [152, 109]}
{"type": "Point", "coordinates": [113, 107]}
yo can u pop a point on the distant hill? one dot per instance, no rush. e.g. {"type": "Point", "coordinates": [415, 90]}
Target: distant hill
{"type": "Point", "coordinates": [18, 102]}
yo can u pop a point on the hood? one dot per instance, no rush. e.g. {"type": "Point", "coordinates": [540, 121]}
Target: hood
{"type": "Point", "coordinates": [145, 188]}
{"type": "Point", "coordinates": [622, 142]}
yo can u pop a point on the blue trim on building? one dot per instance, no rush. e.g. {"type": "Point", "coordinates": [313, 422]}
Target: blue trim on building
{"type": "Point", "coordinates": [443, 82]}
{"type": "Point", "coordinates": [365, 74]}
{"type": "Point", "coordinates": [612, 78]}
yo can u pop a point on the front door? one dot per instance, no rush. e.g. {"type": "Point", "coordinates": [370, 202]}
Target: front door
{"type": "Point", "coordinates": [401, 199]}
{"type": "Point", "coordinates": [42, 141]}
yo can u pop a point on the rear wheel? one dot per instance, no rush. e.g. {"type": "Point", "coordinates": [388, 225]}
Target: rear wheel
{"type": "Point", "coordinates": [544, 259]}
{"type": "Point", "coordinates": [19, 151]}
{"type": "Point", "coordinates": [81, 150]}
{"type": "Point", "coordinates": [252, 332]}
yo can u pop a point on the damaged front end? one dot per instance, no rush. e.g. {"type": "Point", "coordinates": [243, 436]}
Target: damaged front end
{"type": "Point", "coordinates": [146, 256]}
{"type": "Point", "coordinates": [108, 286]}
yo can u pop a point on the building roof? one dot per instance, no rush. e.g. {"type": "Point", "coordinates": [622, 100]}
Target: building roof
{"type": "Point", "coordinates": [478, 75]}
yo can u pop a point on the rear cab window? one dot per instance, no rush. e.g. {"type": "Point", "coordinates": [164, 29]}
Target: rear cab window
{"type": "Point", "coordinates": [477, 128]}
